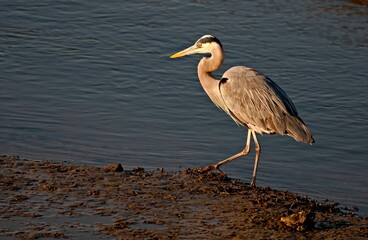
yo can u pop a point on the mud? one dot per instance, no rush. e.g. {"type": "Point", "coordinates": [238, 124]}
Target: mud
{"type": "Point", "coordinates": [42, 199]}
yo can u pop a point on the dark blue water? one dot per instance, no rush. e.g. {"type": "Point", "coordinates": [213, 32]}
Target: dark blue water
{"type": "Point", "coordinates": [90, 82]}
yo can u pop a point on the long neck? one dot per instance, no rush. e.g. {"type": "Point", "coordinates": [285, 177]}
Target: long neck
{"type": "Point", "coordinates": [208, 65]}
{"type": "Point", "coordinates": [205, 68]}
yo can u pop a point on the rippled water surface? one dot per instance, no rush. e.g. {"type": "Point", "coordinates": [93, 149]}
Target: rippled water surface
{"type": "Point", "coordinates": [90, 82]}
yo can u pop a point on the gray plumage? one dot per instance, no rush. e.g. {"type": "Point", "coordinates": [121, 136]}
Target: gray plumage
{"type": "Point", "coordinates": [256, 102]}
{"type": "Point", "coordinates": [249, 97]}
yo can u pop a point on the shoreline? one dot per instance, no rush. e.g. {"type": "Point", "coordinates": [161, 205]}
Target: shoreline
{"type": "Point", "coordinates": [45, 199]}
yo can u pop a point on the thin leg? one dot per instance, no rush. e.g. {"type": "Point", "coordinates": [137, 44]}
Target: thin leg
{"type": "Point", "coordinates": [216, 166]}
{"type": "Point", "coordinates": [258, 152]}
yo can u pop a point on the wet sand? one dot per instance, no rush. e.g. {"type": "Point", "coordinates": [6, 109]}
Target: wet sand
{"type": "Point", "coordinates": [42, 199]}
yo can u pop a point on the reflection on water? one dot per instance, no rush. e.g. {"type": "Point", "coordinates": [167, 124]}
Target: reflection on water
{"type": "Point", "coordinates": [91, 82]}
{"type": "Point", "coordinates": [352, 16]}
{"type": "Point", "coordinates": [359, 2]}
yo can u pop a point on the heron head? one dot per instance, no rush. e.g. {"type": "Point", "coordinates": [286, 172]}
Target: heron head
{"type": "Point", "coordinates": [202, 45]}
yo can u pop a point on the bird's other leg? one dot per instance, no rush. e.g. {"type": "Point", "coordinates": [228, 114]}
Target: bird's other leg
{"type": "Point", "coordinates": [258, 152]}
{"type": "Point", "coordinates": [216, 166]}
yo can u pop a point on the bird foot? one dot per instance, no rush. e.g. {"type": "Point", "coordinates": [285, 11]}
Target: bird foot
{"type": "Point", "coordinates": [209, 168]}
{"type": "Point", "coordinates": [205, 169]}
{"type": "Point", "coordinates": [253, 183]}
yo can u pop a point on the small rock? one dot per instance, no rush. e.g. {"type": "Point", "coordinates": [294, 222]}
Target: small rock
{"type": "Point", "coordinates": [138, 169]}
{"type": "Point", "coordinates": [300, 221]}
{"type": "Point", "coordinates": [115, 167]}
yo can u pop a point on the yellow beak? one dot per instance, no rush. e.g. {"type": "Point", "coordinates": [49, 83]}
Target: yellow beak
{"type": "Point", "coordinates": [187, 51]}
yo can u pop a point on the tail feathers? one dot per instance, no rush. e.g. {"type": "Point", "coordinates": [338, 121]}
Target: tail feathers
{"type": "Point", "coordinates": [296, 128]}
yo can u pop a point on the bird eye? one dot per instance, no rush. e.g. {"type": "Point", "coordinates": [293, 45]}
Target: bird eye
{"type": "Point", "coordinates": [199, 45]}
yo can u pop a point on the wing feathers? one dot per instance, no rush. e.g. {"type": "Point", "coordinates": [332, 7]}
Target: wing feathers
{"type": "Point", "coordinates": [255, 101]}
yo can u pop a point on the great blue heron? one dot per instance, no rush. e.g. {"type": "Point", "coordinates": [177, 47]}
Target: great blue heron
{"type": "Point", "coordinates": [252, 100]}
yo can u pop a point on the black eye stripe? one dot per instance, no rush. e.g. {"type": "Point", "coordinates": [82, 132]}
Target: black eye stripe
{"type": "Point", "coordinates": [209, 40]}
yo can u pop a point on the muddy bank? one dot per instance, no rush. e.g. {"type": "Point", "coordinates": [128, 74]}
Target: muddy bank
{"type": "Point", "coordinates": [41, 199]}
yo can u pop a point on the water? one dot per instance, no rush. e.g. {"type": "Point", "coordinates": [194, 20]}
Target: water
{"type": "Point", "coordinates": [90, 82]}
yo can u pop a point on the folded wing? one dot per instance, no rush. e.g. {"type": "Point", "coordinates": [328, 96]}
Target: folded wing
{"type": "Point", "coordinates": [255, 101]}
